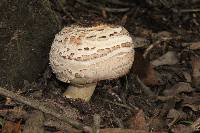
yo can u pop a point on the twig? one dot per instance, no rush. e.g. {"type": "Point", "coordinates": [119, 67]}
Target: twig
{"type": "Point", "coordinates": [118, 2]}
{"type": "Point", "coordinates": [189, 10]}
{"type": "Point", "coordinates": [65, 11]}
{"type": "Point", "coordinates": [83, 2]}
{"type": "Point", "coordinates": [60, 125]}
{"type": "Point", "coordinates": [125, 16]}
{"type": "Point", "coordinates": [150, 47]}
{"type": "Point", "coordinates": [162, 39]}
{"type": "Point", "coordinates": [114, 9]}
{"type": "Point", "coordinates": [118, 121]}
{"type": "Point", "coordinates": [118, 104]}
{"type": "Point", "coordinates": [155, 44]}
{"type": "Point", "coordinates": [42, 107]}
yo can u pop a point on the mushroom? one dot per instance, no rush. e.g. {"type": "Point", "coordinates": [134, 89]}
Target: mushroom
{"type": "Point", "coordinates": [82, 56]}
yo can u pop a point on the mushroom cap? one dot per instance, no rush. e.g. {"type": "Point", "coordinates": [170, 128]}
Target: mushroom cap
{"type": "Point", "coordinates": [82, 55]}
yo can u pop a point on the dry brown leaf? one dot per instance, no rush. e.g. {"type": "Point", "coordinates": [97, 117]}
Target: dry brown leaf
{"type": "Point", "coordinates": [143, 32]}
{"type": "Point", "coordinates": [192, 102]}
{"type": "Point", "coordinates": [194, 107]}
{"type": "Point", "coordinates": [195, 46]}
{"type": "Point", "coordinates": [165, 98]}
{"type": "Point", "coordinates": [196, 125]}
{"type": "Point", "coordinates": [58, 132]}
{"type": "Point", "coordinates": [156, 123]}
{"type": "Point", "coordinates": [121, 130]}
{"type": "Point", "coordinates": [175, 115]}
{"type": "Point", "coordinates": [8, 101]}
{"type": "Point", "coordinates": [187, 77]}
{"type": "Point", "coordinates": [145, 70]}
{"type": "Point", "coordinates": [178, 88]}
{"type": "Point", "coordinates": [164, 34]}
{"type": "Point", "coordinates": [182, 129]}
{"type": "Point", "coordinates": [169, 58]}
{"type": "Point", "coordinates": [152, 77]}
{"type": "Point", "coordinates": [16, 112]}
{"type": "Point", "coordinates": [34, 123]}
{"type": "Point", "coordinates": [11, 127]}
{"type": "Point", "coordinates": [140, 42]}
{"type": "Point", "coordinates": [196, 72]}
{"type": "Point", "coordinates": [18, 127]}
{"type": "Point", "coordinates": [138, 122]}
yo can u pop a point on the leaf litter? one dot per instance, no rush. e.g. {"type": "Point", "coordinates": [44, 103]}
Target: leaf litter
{"type": "Point", "coordinates": [167, 65]}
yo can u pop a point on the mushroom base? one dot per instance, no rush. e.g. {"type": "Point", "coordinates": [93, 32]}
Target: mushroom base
{"type": "Point", "coordinates": [83, 92]}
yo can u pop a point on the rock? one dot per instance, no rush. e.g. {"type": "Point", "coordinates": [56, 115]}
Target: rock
{"type": "Point", "coordinates": [27, 28]}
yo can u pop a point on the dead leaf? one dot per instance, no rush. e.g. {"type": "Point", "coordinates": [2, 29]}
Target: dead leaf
{"type": "Point", "coordinates": [175, 116]}
{"type": "Point", "coordinates": [169, 58]}
{"type": "Point", "coordinates": [187, 77]}
{"type": "Point", "coordinates": [144, 70]}
{"type": "Point", "coordinates": [140, 42]}
{"type": "Point", "coordinates": [138, 122]}
{"type": "Point", "coordinates": [196, 72]}
{"type": "Point", "coordinates": [8, 101]}
{"type": "Point", "coordinates": [162, 35]}
{"type": "Point", "coordinates": [152, 77]}
{"type": "Point", "coordinates": [124, 19]}
{"type": "Point", "coordinates": [182, 129]}
{"type": "Point", "coordinates": [58, 132]}
{"type": "Point", "coordinates": [121, 130]}
{"type": "Point", "coordinates": [195, 46]}
{"type": "Point", "coordinates": [156, 123]}
{"type": "Point", "coordinates": [143, 32]}
{"type": "Point", "coordinates": [192, 102]}
{"type": "Point", "coordinates": [165, 98]}
{"type": "Point", "coordinates": [196, 125]}
{"type": "Point", "coordinates": [194, 107]}
{"type": "Point", "coordinates": [18, 127]}
{"type": "Point", "coordinates": [178, 88]}
{"type": "Point", "coordinates": [11, 127]}
{"type": "Point", "coordinates": [14, 113]}
{"type": "Point", "coordinates": [113, 130]}
{"type": "Point", "coordinates": [34, 123]}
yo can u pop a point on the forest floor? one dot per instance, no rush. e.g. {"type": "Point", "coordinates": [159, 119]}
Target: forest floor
{"type": "Point", "coordinates": [160, 94]}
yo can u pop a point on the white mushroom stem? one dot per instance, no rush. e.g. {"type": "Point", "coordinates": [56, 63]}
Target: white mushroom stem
{"type": "Point", "coordinates": [80, 91]}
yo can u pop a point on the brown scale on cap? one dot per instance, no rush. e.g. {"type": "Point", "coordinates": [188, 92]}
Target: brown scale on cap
{"type": "Point", "coordinates": [126, 45]}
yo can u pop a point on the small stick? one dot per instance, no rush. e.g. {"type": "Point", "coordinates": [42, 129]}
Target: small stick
{"type": "Point", "coordinates": [64, 10]}
{"type": "Point", "coordinates": [118, 2]}
{"type": "Point", "coordinates": [189, 10]}
{"type": "Point", "coordinates": [42, 107]}
{"type": "Point", "coordinates": [163, 39]}
{"type": "Point", "coordinates": [146, 52]}
{"type": "Point", "coordinates": [119, 104]}
{"type": "Point", "coordinates": [83, 2]}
